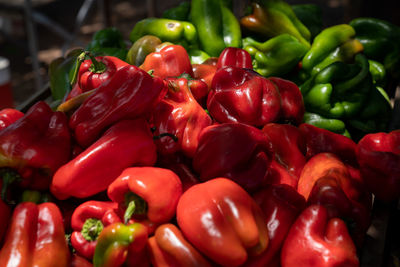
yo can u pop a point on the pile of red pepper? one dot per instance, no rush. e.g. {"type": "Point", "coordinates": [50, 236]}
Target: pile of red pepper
{"type": "Point", "coordinates": [177, 164]}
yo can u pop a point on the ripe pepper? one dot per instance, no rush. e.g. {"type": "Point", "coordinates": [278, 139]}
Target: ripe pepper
{"type": "Point", "coordinates": [378, 156]}
{"type": "Point", "coordinates": [216, 25]}
{"type": "Point", "coordinates": [147, 192]}
{"type": "Point", "coordinates": [126, 143]}
{"type": "Point", "coordinates": [9, 116]}
{"type": "Point", "coordinates": [247, 162]}
{"type": "Point", "coordinates": [5, 214]}
{"type": "Point", "coordinates": [281, 204]}
{"type": "Point", "coordinates": [316, 240]}
{"type": "Point", "coordinates": [129, 94]}
{"type": "Point", "coordinates": [226, 225]}
{"type": "Point", "coordinates": [170, 61]}
{"type": "Point", "coordinates": [275, 17]}
{"type": "Point", "coordinates": [241, 95]}
{"type": "Point", "coordinates": [119, 243]}
{"type": "Point", "coordinates": [168, 248]}
{"type": "Point", "coordinates": [204, 72]}
{"type": "Point", "coordinates": [35, 237]}
{"type": "Point", "coordinates": [237, 57]}
{"type": "Point", "coordinates": [177, 32]}
{"type": "Point", "coordinates": [276, 56]}
{"type": "Point", "coordinates": [141, 48]}
{"type": "Point", "coordinates": [28, 149]}
{"type": "Point", "coordinates": [181, 115]}
{"type": "Point", "coordinates": [78, 261]}
{"type": "Point", "coordinates": [87, 222]}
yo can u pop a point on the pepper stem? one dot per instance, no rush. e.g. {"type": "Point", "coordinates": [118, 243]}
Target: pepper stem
{"type": "Point", "coordinates": [97, 66]}
{"type": "Point", "coordinates": [91, 229]}
{"type": "Point", "coordinates": [135, 205]}
{"type": "Point", "coordinates": [8, 176]}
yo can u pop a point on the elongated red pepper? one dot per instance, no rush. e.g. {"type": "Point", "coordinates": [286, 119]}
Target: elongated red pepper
{"type": "Point", "coordinates": [379, 158]}
{"type": "Point", "coordinates": [222, 221]}
{"type": "Point", "coordinates": [34, 147]}
{"type": "Point", "coordinates": [315, 240]}
{"type": "Point", "coordinates": [170, 61]}
{"type": "Point", "coordinates": [119, 243]}
{"type": "Point", "coordinates": [126, 143]}
{"type": "Point", "coordinates": [247, 161]}
{"type": "Point", "coordinates": [281, 204]}
{"type": "Point", "coordinates": [9, 116]}
{"type": "Point", "coordinates": [237, 57]}
{"type": "Point", "coordinates": [169, 248]}
{"type": "Point", "coordinates": [148, 192]}
{"type": "Point", "coordinates": [241, 95]}
{"type": "Point", "coordinates": [179, 114]}
{"type": "Point", "coordinates": [35, 237]}
{"type": "Point", "coordinates": [129, 94]}
{"type": "Point", "coordinates": [87, 222]}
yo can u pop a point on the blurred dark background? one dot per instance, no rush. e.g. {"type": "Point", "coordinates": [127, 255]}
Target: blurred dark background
{"type": "Point", "coordinates": [61, 25]}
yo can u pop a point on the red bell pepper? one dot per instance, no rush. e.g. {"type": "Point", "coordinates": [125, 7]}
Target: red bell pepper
{"type": "Point", "coordinates": [379, 157]}
{"type": "Point", "coordinates": [236, 151]}
{"type": "Point", "coordinates": [126, 143]}
{"type": "Point", "coordinates": [35, 237]}
{"type": "Point", "coordinates": [179, 114]}
{"type": "Point", "coordinates": [78, 261]}
{"type": "Point", "coordinates": [169, 248]}
{"type": "Point", "coordinates": [237, 57]}
{"type": "Point", "coordinates": [241, 95]}
{"type": "Point", "coordinates": [9, 116]}
{"type": "Point", "coordinates": [147, 192]}
{"type": "Point", "coordinates": [205, 73]}
{"type": "Point", "coordinates": [315, 240]}
{"type": "Point", "coordinates": [119, 243]}
{"type": "Point", "coordinates": [281, 204]}
{"type": "Point", "coordinates": [87, 222]}
{"type": "Point", "coordinates": [170, 61]}
{"type": "Point", "coordinates": [34, 147]}
{"type": "Point", "coordinates": [222, 221]}
{"type": "Point", "coordinates": [129, 94]}
{"type": "Point", "coordinates": [292, 109]}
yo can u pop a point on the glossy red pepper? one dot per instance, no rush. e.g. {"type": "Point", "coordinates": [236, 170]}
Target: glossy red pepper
{"type": "Point", "coordinates": [379, 157]}
{"type": "Point", "coordinates": [236, 151]}
{"type": "Point", "coordinates": [170, 61]}
{"type": "Point", "coordinates": [281, 204]}
{"type": "Point", "coordinates": [35, 237]}
{"type": "Point", "coordinates": [222, 221]}
{"type": "Point", "coordinates": [9, 116]}
{"type": "Point", "coordinates": [129, 94]}
{"type": "Point", "coordinates": [179, 114]}
{"type": "Point", "coordinates": [87, 222]}
{"type": "Point", "coordinates": [169, 248]}
{"type": "Point", "coordinates": [126, 143]}
{"type": "Point", "coordinates": [205, 73]}
{"type": "Point", "coordinates": [34, 147]}
{"type": "Point", "coordinates": [316, 240]}
{"type": "Point", "coordinates": [237, 57]}
{"type": "Point", "coordinates": [241, 95]}
{"type": "Point", "coordinates": [78, 261]}
{"type": "Point", "coordinates": [149, 192]}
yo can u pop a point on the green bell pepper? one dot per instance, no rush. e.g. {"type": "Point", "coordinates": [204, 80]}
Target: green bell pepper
{"type": "Point", "coordinates": [333, 125]}
{"type": "Point", "coordinates": [311, 16]}
{"type": "Point", "coordinates": [277, 56]}
{"type": "Point", "coordinates": [197, 56]}
{"type": "Point", "coordinates": [108, 42]}
{"type": "Point", "coordinates": [180, 12]}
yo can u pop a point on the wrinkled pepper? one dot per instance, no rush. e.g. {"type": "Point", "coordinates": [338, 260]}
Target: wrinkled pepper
{"type": "Point", "coordinates": [34, 147]}
{"type": "Point", "coordinates": [126, 143]}
{"type": "Point", "coordinates": [8, 116]}
{"type": "Point", "coordinates": [129, 94]}
{"type": "Point", "coordinates": [378, 157]}
{"type": "Point", "coordinates": [35, 237]}
{"type": "Point", "coordinates": [247, 162]}
{"type": "Point", "coordinates": [237, 57]}
{"type": "Point", "coordinates": [181, 115]}
{"type": "Point", "coordinates": [276, 56]}
{"type": "Point", "coordinates": [108, 42]}
{"type": "Point", "coordinates": [170, 61]}
{"type": "Point", "coordinates": [275, 17]}
{"type": "Point", "coordinates": [242, 95]}
{"type": "Point", "coordinates": [168, 248]}
{"type": "Point", "coordinates": [316, 240]}
{"type": "Point", "coordinates": [227, 225]}
{"type": "Point", "coordinates": [119, 243]}
{"type": "Point", "coordinates": [141, 48]}
{"type": "Point", "coordinates": [216, 25]}
{"type": "Point", "coordinates": [87, 222]}
{"type": "Point", "coordinates": [177, 32]}
{"type": "Point", "coordinates": [148, 192]}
